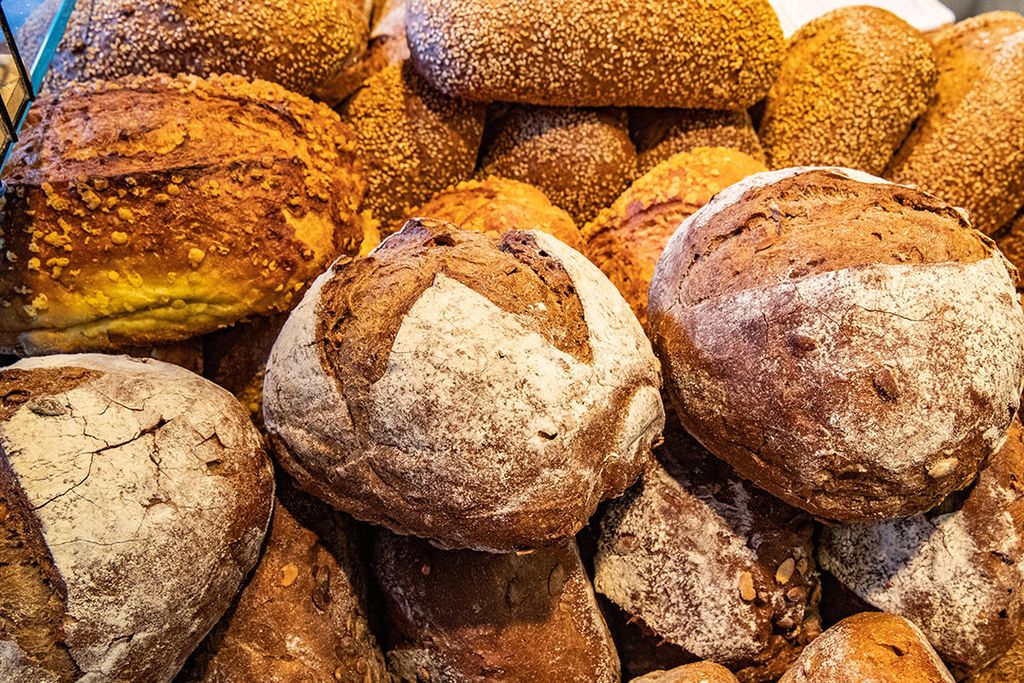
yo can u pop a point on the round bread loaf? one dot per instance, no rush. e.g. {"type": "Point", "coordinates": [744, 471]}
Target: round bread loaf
{"type": "Point", "coordinates": [217, 199]}
{"type": "Point", "coordinates": [852, 83]}
{"type": "Point", "coordinates": [580, 158]}
{"type": "Point", "coordinates": [414, 140]}
{"type": "Point", "coordinates": [494, 205]}
{"type": "Point", "coordinates": [134, 496]}
{"type": "Point", "coordinates": [663, 133]}
{"type": "Point", "coordinates": [1010, 241]}
{"type": "Point", "coordinates": [956, 571]}
{"type": "Point", "coordinates": [699, 672]}
{"type": "Point", "coordinates": [706, 566]}
{"type": "Point", "coordinates": [715, 54]}
{"type": "Point", "coordinates": [298, 45]}
{"type": "Point", "coordinates": [849, 345]}
{"type": "Point", "coordinates": [484, 393]}
{"type": "Point", "coordinates": [968, 148]}
{"type": "Point", "coordinates": [236, 359]}
{"type": "Point", "coordinates": [626, 239]}
{"type": "Point", "coordinates": [459, 615]}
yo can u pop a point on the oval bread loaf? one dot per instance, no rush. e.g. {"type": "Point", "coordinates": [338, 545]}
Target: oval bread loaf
{"type": "Point", "coordinates": [663, 133]}
{"type": "Point", "coordinates": [699, 672]}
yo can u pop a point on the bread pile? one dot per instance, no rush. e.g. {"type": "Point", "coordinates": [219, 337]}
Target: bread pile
{"type": "Point", "coordinates": [508, 340]}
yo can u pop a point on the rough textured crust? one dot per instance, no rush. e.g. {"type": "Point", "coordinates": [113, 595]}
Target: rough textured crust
{"type": "Point", "coordinates": [580, 158]}
{"type": "Point", "coordinates": [626, 239]}
{"type": "Point", "coordinates": [968, 148]}
{"type": "Point", "coordinates": [1009, 667]}
{"type": "Point", "coordinates": [236, 359]}
{"type": "Point", "coordinates": [298, 45]}
{"type": "Point", "coordinates": [956, 571]}
{"type": "Point", "coordinates": [484, 393]}
{"type": "Point", "coordinates": [215, 200]}
{"type": "Point", "coordinates": [698, 672]}
{"type": "Point", "coordinates": [869, 647]}
{"type": "Point", "coordinates": [709, 566]}
{"type": "Point", "coordinates": [494, 205]}
{"type": "Point", "coordinates": [1010, 241]}
{"type": "Point", "coordinates": [852, 83]}
{"type": "Point", "coordinates": [803, 341]}
{"type": "Point", "coordinates": [414, 140]}
{"type": "Point", "coordinates": [663, 133]}
{"type": "Point", "coordinates": [459, 615]}
{"type": "Point", "coordinates": [151, 492]}
{"type": "Point", "coordinates": [714, 54]}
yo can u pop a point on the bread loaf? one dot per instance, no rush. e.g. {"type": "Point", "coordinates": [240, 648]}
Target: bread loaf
{"type": "Point", "coordinates": [849, 345]}
{"type": "Point", "coordinates": [217, 199]}
{"type": "Point", "coordinates": [699, 672]}
{"type": "Point", "coordinates": [236, 359]}
{"type": "Point", "coordinates": [1010, 241]}
{"type": "Point", "coordinates": [1009, 667]}
{"type": "Point", "coordinates": [134, 497]}
{"type": "Point", "coordinates": [713, 54]}
{"type": "Point", "coordinates": [968, 148]}
{"type": "Point", "coordinates": [663, 133]}
{"type": "Point", "coordinates": [459, 615]}
{"type": "Point", "coordinates": [852, 83]}
{"type": "Point", "coordinates": [484, 393]}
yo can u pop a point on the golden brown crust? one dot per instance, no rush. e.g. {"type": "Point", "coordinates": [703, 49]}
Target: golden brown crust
{"type": "Point", "coordinates": [1009, 667]}
{"type": "Point", "coordinates": [663, 133]}
{"type": "Point", "coordinates": [216, 200]}
{"type": "Point", "coordinates": [1010, 241]}
{"type": "Point", "coordinates": [698, 672]}
{"type": "Point", "coordinates": [852, 83]}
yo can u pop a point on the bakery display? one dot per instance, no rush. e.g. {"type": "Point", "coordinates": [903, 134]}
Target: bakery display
{"type": "Point", "coordinates": [849, 345]}
{"type": "Point", "coordinates": [663, 133]}
{"type": "Point", "coordinates": [698, 672]}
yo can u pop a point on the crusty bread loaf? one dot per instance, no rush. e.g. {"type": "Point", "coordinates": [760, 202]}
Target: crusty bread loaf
{"type": "Point", "coordinates": [216, 199]}
{"type": "Point", "coordinates": [967, 148]}
{"type": "Point", "coordinates": [134, 497]}
{"type": "Point", "coordinates": [1010, 241]}
{"type": "Point", "coordinates": [459, 615]}
{"type": "Point", "coordinates": [849, 345]}
{"type": "Point", "coordinates": [698, 672]}
{"type": "Point", "coordinates": [1009, 667]}
{"type": "Point", "coordinates": [236, 359]}
{"type": "Point", "coordinates": [715, 54]}
{"type": "Point", "coordinates": [852, 83]}
{"type": "Point", "coordinates": [869, 647]}
{"type": "Point", "coordinates": [580, 158]}
{"type": "Point", "coordinates": [626, 239]}
{"type": "Point", "coordinates": [298, 45]}
{"type": "Point", "coordinates": [663, 133]}
{"type": "Point", "coordinates": [481, 392]}
{"type": "Point", "coordinates": [414, 140]}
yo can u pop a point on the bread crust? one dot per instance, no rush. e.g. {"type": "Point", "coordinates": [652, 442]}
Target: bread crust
{"type": "Point", "coordinates": [662, 133]}
{"type": "Point", "coordinates": [698, 672]}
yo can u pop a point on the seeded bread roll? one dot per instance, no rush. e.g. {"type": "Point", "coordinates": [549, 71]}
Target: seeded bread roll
{"type": "Point", "coordinates": [852, 83]}
{"type": "Point", "coordinates": [967, 146]}
{"type": "Point", "coordinates": [580, 158]}
{"type": "Point", "coordinates": [626, 239]}
{"type": "Point", "coordinates": [956, 571]}
{"type": "Point", "coordinates": [134, 497]}
{"type": "Point", "coordinates": [708, 567]}
{"type": "Point", "coordinates": [494, 205]}
{"type": "Point", "coordinates": [459, 615]}
{"type": "Point", "coordinates": [482, 392]}
{"type": "Point", "coordinates": [217, 199]}
{"type": "Point", "coordinates": [849, 345]}
{"type": "Point", "coordinates": [298, 45]}
{"type": "Point", "coordinates": [715, 54]}
{"type": "Point", "coordinates": [662, 133]}
{"type": "Point", "coordinates": [699, 672]}
{"type": "Point", "coordinates": [414, 140]}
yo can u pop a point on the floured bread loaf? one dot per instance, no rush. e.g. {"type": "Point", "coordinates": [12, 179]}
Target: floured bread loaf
{"type": "Point", "coordinates": [482, 392]}
{"type": "Point", "coordinates": [849, 345]}
{"type": "Point", "coordinates": [699, 672]}
{"type": "Point", "coordinates": [134, 497]}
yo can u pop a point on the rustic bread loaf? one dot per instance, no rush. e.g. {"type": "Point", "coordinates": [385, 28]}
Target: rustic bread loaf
{"type": "Point", "coordinates": [699, 672]}
{"type": "Point", "coordinates": [580, 158]}
{"type": "Point", "coordinates": [663, 133]}
{"type": "Point", "coordinates": [849, 345]}
{"type": "Point", "coordinates": [626, 239]}
{"type": "Point", "coordinates": [216, 199]}
{"type": "Point", "coordinates": [869, 647]}
{"type": "Point", "coordinates": [134, 497]}
{"type": "Point", "coordinates": [632, 53]}
{"type": "Point", "coordinates": [459, 615]}
{"type": "Point", "coordinates": [708, 567]}
{"type": "Point", "coordinates": [967, 148]}
{"type": "Point", "coordinates": [1010, 241]}
{"type": "Point", "coordinates": [1008, 667]}
{"type": "Point", "coordinates": [852, 83]}
{"type": "Point", "coordinates": [485, 393]}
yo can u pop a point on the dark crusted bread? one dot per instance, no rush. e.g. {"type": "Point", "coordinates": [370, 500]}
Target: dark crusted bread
{"type": "Point", "coordinates": [698, 672]}
{"type": "Point", "coordinates": [1010, 240]}
{"type": "Point", "coordinates": [663, 133]}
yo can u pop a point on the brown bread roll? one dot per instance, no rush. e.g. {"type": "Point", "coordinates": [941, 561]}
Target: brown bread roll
{"type": "Point", "coordinates": [699, 672]}
{"type": "Point", "coordinates": [956, 571]}
{"type": "Point", "coordinates": [626, 239]}
{"type": "Point", "coordinates": [663, 133]}
{"type": "Point", "coordinates": [482, 392]}
{"type": "Point", "coordinates": [967, 148]}
{"type": "Point", "coordinates": [849, 345]}
{"type": "Point", "coordinates": [134, 497]}
{"type": "Point", "coordinates": [580, 158]}
{"type": "Point", "coordinates": [459, 615]}
{"type": "Point", "coordinates": [875, 647]}
{"type": "Point", "coordinates": [630, 53]}
{"type": "Point", "coordinates": [1010, 241]}
{"type": "Point", "coordinates": [217, 199]}
{"type": "Point", "coordinates": [708, 567]}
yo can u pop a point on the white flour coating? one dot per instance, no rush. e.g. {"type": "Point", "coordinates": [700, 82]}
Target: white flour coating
{"type": "Point", "coordinates": [16, 668]}
{"type": "Point", "coordinates": [122, 474]}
